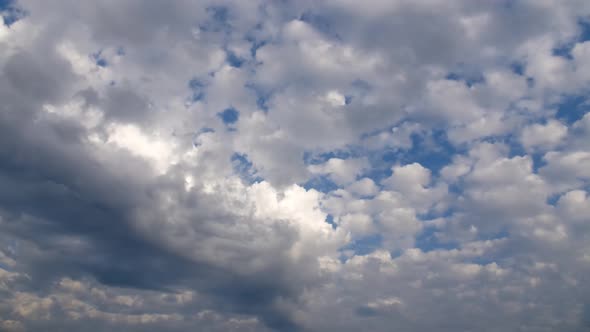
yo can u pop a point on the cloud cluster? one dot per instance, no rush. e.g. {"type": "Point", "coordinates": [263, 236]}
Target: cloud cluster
{"type": "Point", "coordinates": [295, 165]}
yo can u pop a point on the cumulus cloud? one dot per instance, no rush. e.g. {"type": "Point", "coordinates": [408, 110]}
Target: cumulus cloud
{"type": "Point", "coordinates": [294, 166]}
{"type": "Point", "coordinates": [547, 135]}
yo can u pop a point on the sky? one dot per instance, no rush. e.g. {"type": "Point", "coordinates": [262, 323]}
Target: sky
{"type": "Point", "coordinates": [295, 165]}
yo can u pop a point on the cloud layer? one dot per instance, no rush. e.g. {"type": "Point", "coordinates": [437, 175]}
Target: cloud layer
{"type": "Point", "coordinates": [295, 165]}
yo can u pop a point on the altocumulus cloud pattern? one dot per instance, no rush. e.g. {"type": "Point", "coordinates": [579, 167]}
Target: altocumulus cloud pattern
{"type": "Point", "coordinates": [228, 165]}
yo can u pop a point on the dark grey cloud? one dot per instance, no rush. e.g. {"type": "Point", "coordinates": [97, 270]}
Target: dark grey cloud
{"type": "Point", "coordinates": [78, 213]}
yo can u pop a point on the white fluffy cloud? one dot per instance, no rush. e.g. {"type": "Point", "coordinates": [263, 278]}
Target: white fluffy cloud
{"type": "Point", "coordinates": [543, 135]}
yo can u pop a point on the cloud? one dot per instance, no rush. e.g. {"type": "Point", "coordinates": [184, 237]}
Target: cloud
{"type": "Point", "coordinates": [547, 135]}
{"type": "Point", "coordinates": [294, 166]}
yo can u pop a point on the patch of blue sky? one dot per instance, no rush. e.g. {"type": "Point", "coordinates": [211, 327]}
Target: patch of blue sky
{"type": "Point", "coordinates": [321, 183]}
{"type": "Point", "coordinates": [457, 188]}
{"type": "Point", "coordinates": [255, 38]}
{"type": "Point", "coordinates": [508, 4]}
{"type": "Point", "coordinates": [197, 88]}
{"type": "Point", "coordinates": [219, 13]}
{"type": "Point", "coordinates": [432, 151]}
{"type": "Point", "coordinates": [466, 73]}
{"type": "Point", "coordinates": [572, 108]}
{"type": "Point", "coordinates": [584, 30]}
{"type": "Point", "coordinates": [348, 99]}
{"type": "Point", "coordinates": [380, 166]}
{"type": "Point", "coordinates": [538, 160]}
{"type": "Point", "coordinates": [219, 20]}
{"type": "Point", "coordinates": [320, 23]}
{"type": "Point", "coordinates": [488, 258]}
{"type": "Point", "coordinates": [552, 199]}
{"type": "Point", "coordinates": [482, 260]}
{"type": "Point", "coordinates": [381, 159]}
{"type": "Point", "coordinates": [377, 170]}
{"type": "Point", "coordinates": [196, 135]}
{"type": "Point", "coordinates": [195, 84]}
{"type": "Point", "coordinates": [469, 78]}
{"type": "Point", "coordinates": [233, 60]}
{"type": "Point", "coordinates": [5, 268]}
{"type": "Point", "coordinates": [5, 4]}
{"type": "Point", "coordinates": [315, 158]}
{"type": "Point", "coordinates": [428, 240]}
{"type": "Point", "coordinates": [432, 214]}
{"type": "Point", "coordinates": [565, 49]}
{"type": "Point", "coordinates": [518, 67]}
{"type": "Point", "coordinates": [256, 45]}
{"type": "Point", "coordinates": [361, 85]}
{"type": "Point", "coordinates": [357, 90]}
{"type": "Point", "coordinates": [517, 150]}
{"type": "Point", "coordinates": [530, 82]}
{"type": "Point", "coordinates": [501, 234]}
{"type": "Point", "coordinates": [355, 93]}
{"type": "Point", "coordinates": [377, 174]}
{"type": "Point", "coordinates": [262, 95]}
{"type": "Point", "coordinates": [11, 249]}
{"type": "Point", "coordinates": [330, 220]}
{"type": "Point", "coordinates": [98, 59]}
{"type": "Point", "coordinates": [244, 168]}
{"type": "Point", "coordinates": [261, 103]}
{"type": "Point", "coordinates": [10, 12]}
{"type": "Point", "coordinates": [121, 51]}
{"type": "Point", "coordinates": [364, 245]}
{"type": "Point", "coordinates": [229, 116]}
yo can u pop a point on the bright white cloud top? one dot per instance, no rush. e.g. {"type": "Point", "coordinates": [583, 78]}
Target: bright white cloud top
{"type": "Point", "coordinates": [295, 165]}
